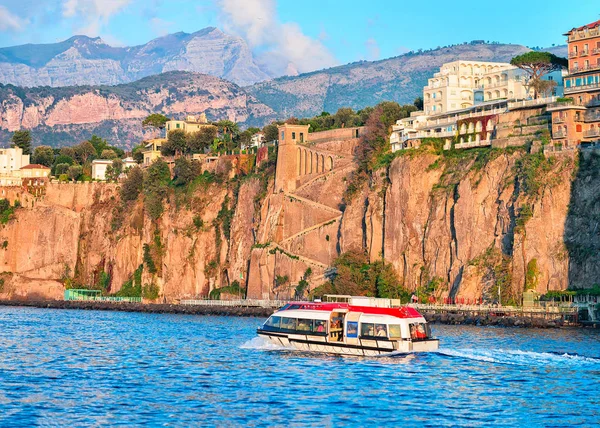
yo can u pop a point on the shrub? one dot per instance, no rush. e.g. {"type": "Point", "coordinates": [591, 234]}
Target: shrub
{"type": "Point", "coordinates": [151, 291]}
{"type": "Point", "coordinates": [132, 186]}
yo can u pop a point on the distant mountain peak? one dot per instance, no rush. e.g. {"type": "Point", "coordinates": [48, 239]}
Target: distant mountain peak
{"type": "Point", "coordinates": [209, 51]}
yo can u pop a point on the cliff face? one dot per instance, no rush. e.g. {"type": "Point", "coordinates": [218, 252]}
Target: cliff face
{"type": "Point", "coordinates": [479, 224]}
{"type": "Point", "coordinates": [81, 60]}
{"type": "Point", "coordinates": [64, 116]}
{"type": "Point", "coordinates": [76, 232]}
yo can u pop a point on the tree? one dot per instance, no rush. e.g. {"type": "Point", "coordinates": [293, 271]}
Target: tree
{"type": "Point", "coordinates": [43, 155]}
{"type": "Point", "coordinates": [84, 151]}
{"type": "Point", "coordinates": [99, 144]}
{"type": "Point", "coordinates": [537, 65]}
{"type": "Point", "coordinates": [63, 159]}
{"type": "Point", "coordinates": [67, 151]}
{"type": "Point", "coordinates": [138, 153]}
{"type": "Point", "coordinates": [156, 120]}
{"type": "Point", "coordinates": [245, 138]}
{"type": "Point", "coordinates": [271, 132]}
{"type": "Point", "coordinates": [114, 171]}
{"type": "Point", "coordinates": [108, 154]}
{"type": "Point", "coordinates": [418, 103]}
{"type": "Point", "coordinates": [198, 141]}
{"type": "Point", "coordinates": [75, 171]}
{"type": "Point", "coordinates": [176, 143]}
{"type": "Point", "coordinates": [344, 118]}
{"type": "Point", "coordinates": [61, 168]}
{"type": "Point", "coordinates": [156, 182]}
{"type": "Point", "coordinates": [22, 139]}
{"type": "Point", "coordinates": [185, 171]}
{"type": "Point", "coordinates": [227, 129]}
{"type": "Point", "coordinates": [132, 186]}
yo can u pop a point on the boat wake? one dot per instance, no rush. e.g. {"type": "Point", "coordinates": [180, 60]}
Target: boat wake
{"type": "Point", "coordinates": [520, 358]}
{"type": "Point", "coordinates": [262, 344]}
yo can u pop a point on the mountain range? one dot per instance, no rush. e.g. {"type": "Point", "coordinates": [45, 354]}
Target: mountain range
{"type": "Point", "coordinates": [66, 115]}
{"type": "Point", "coordinates": [82, 60]}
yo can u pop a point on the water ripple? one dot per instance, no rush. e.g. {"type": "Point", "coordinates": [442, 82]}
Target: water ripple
{"type": "Point", "coordinates": [83, 368]}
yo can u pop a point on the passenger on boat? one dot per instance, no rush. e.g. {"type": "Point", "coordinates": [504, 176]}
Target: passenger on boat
{"type": "Point", "coordinates": [380, 331]}
{"type": "Point", "coordinates": [303, 325]}
{"type": "Point", "coordinates": [320, 326]}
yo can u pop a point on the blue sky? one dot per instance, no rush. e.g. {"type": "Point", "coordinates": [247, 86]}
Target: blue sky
{"type": "Point", "coordinates": [329, 32]}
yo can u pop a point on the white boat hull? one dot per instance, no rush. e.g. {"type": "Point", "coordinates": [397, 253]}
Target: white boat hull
{"type": "Point", "coordinates": [363, 348]}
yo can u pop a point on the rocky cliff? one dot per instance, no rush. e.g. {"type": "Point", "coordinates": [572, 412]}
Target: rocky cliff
{"type": "Point", "coordinates": [81, 60]}
{"type": "Point", "coordinates": [471, 224]}
{"type": "Point", "coordinates": [65, 116]}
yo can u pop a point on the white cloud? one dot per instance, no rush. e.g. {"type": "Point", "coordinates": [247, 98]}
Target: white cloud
{"type": "Point", "coordinates": [160, 27]}
{"type": "Point", "coordinates": [284, 48]}
{"type": "Point", "coordinates": [10, 21]}
{"type": "Point", "coordinates": [94, 14]}
{"type": "Point", "coordinates": [373, 51]}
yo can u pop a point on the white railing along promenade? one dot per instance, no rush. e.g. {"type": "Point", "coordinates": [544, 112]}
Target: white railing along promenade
{"type": "Point", "coordinates": [247, 303]}
{"type": "Point", "coordinates": [493, 308]}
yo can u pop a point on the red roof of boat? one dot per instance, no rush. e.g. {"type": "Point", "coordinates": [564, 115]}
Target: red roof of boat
{"type": "Point", "coordinates": [402, 312]}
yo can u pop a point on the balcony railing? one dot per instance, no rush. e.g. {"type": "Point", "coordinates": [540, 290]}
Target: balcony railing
{"type": "Point", "coordinates": [531, 103]}
{"type": "Point", "coordinates": [573, 54]}
{"type": "Point", "coordinates": [581, 88]}
{"type": "Point", "coordinates": [559, 134]}
{"type": "Point", "coordinates": [591, 117]}
{"type": "Point", "coordinates": [559, 120]}
{"type": "Point", "coordinates": [596, 51]}
{"type": "Point", "coordinates": [584, 52]}
{"type": "Point", "coordinates": [589, 67]}
{"type": "Point", "coordinates": [592, 133]}
{"type": "Point", "coordinates": [580, 35]}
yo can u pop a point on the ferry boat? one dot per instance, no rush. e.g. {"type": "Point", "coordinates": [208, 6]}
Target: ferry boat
{"type": "Point", "coordinates": [354, 327]}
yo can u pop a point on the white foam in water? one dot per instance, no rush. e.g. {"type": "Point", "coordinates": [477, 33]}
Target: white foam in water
{"type": "Point", "coordinates": [517, 357]}
{"type": "Point", "coordinates": [262, 344]}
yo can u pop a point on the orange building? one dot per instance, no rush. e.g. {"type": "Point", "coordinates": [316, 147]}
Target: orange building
{"type": "Point", "coordinates": [576, 119]}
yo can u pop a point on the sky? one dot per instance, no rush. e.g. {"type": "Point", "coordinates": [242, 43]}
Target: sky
{"type": "Point", "coordinates": [302, 35]}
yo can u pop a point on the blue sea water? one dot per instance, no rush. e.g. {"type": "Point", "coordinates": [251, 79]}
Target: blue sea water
{"type": "Point", "coordinates": [81, 368]}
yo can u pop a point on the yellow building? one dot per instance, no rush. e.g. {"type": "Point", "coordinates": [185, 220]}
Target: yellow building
{"type": "Point", "coordinates": [152, 150]}
{"type": "Point", "coordinates": [34, 170]}
{"type": "Point", "coordinates": [189, 125]}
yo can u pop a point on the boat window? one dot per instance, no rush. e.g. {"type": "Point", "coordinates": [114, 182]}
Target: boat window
{"type": "Point", "coordinates": [352, 329]}
{"type": "Point", "coordinates": [367, 329]}
{"type": "Point", "coordinates": [273, 321]}
{"type": "Point", "coordinates": [294, 307]}
{"type": "Point", "coordinates": [395, 330]}
{"type": "Point", "coordinates": [381, 330]}
{"type": "Point", "coordinates": [320, 326]}
{"type": "Point", "coordinates": [419, 331]}
{"type": "Point", "coordinates": [288, 323]}
{"type": "Point", "coordinates": [305, 325]}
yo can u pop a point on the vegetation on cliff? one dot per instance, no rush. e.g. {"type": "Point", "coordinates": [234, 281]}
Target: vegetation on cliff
{"type": "Point", "coordinates": [355, 276]}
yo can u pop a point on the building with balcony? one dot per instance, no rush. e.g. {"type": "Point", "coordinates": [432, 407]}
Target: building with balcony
{"type": "Point", "coordinates": [462, 84]}
{"type": "Point", "coordinates": [576, 119]}
{"type": "Point", "coordinates": [189, 125]}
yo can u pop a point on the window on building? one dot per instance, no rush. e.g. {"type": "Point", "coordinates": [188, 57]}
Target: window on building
{"type": "Point", "coordinates": [177, 126]}
{"type": "Point", "coordinates": [282, 135]}
{"type": "Point", "coordinates": [302, 137]}
{"type": "Point", "coordinates": [293, 135]}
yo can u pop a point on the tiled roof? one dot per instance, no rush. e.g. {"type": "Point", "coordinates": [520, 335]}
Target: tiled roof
{"type": "Point", "coordinates": [592, 25]}
{"type": "Point", "coordinates": [35, 166]}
